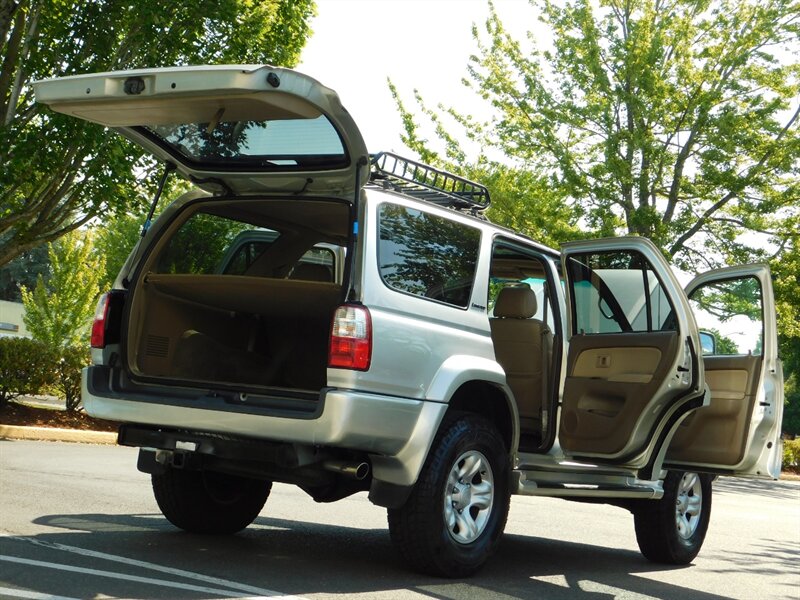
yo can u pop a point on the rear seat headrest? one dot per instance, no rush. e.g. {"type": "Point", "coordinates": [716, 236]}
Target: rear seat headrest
{"type": "Point", "coordinates": [515, 302]}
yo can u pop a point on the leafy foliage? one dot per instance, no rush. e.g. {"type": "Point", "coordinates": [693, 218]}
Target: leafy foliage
{"type": "Point", "coordinates": [662, 119]}
{"type": "Point", "coordinates": [200, 244]}
{"type": "Point", "coordinates": [23, 271]}
{"type": "Point", "coordinates": [25, 367]}
{"type": "Point", "coordinates": [114, 241]}
{"type": "Point", "coordinates": [674, 120]}
{"type": "Point", "coordinates": [67, 376]}
{"type": "Point", "coordinates": [791, 454]}
{"type": "Point", "coordinates": [728, 299]}
{"type": "Point", "coordinates": [523, 198]}
{"type": "Point", "coordinates": [59, 172]}
{"type": "Point", "coordinates": [59, 312]}
{"type": "Point", "coordinates": [724, 346]}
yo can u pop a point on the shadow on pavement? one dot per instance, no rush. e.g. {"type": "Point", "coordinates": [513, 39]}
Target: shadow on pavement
{"type": "Point", "coordinates": [305, 558]}
{"type": "Point", "coordinates": [778, 490]}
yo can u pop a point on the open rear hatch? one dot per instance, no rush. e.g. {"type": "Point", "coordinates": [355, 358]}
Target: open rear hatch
{"type": "Point", "coordinates": [236, 290]}
{"type": "Point", "coordinates": [247, 128]}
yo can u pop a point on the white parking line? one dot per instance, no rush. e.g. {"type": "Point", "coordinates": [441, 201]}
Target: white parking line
{"type": "Point", "coordinates": [231, 585]}
{"type": "Point", "coordinates": [133, 578]}
{"type": "Point", "coordinates": [15, 593]}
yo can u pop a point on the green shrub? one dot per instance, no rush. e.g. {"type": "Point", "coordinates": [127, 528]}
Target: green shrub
{"type": "Point", "coordinates": [791, 453]}
{"type": "Point", "coordinates": [26, 366]}
{"type": "Point", "coordinates": [791, 410]}
{"type": "Point", "coordinates": [67, 384]}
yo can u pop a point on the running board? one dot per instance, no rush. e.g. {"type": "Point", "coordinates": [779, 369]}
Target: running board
{"type": "Point", "coordinates": [594, 485]}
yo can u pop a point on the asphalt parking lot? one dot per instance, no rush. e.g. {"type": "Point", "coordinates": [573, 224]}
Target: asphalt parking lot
{"type": "Point", "coordinates": [78, 521]}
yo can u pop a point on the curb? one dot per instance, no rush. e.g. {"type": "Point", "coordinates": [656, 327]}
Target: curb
{"type": "Point", "coordinates": [52, 434]}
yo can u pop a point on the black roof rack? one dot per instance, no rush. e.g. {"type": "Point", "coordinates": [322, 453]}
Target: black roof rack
{"type": "Point", "coordinates": [427, 183]}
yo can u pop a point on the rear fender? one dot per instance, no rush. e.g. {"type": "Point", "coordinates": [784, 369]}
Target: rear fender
{"type": "Point", "coordinates": [394, 476]}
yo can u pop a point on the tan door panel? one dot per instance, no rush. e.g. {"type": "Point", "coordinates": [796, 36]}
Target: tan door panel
{"type": "Point", "coordinates": [610, 380]}
{"type": "Point", "coordinates": [715, 433]}
{"type": "Point", "coordinates": [631, 365]}
{"type": "Point", "coordinates": [728, 383]}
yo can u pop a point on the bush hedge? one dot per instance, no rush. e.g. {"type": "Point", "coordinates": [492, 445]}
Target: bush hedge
{"type": "Point", "coordinates": [29, 367]}
{"type": "Point", "coordinates": [791, 454]}
{"type": "Point", "coordinates": [67, 384]}
{"type": "Point", "coordinates": [26, 367]}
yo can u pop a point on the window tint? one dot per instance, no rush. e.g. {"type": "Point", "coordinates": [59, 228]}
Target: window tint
{"type": "Point", "coordinates": [207, 243]}
{"type": "Point", "coordinates": [317, 264]}
{"type": "Point", "coordinates": [427, 255]}
{"type": "Point", "coordinates": [729, 315]}
{"type": "Point", "coordinates": [512, 267]}
{"type": "Point", "coordinates": [318, 256]}
{"type": "Point", "coordinates": [617, 292]}
{"type": "Point", "coordinates": [244, 256]}
{"type": "Point", "coordinates": [283, 143]}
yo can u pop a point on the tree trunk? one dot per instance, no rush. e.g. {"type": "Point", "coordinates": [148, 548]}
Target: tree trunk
{"type": "Point", "coordinates": [10, 63]}
{"type": "Point", "coordinates": [7, 10]}
{"type": "Point", "coordinates": [20, 77]}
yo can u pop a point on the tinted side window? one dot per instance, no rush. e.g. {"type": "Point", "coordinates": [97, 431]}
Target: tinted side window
{"type": "Point", "coordinates": [245, 256]}
{"type": "Point", "coordinates": [616, 292]}
{"type": "Point", "coordinates": [511, 266]}
{"type": "Point", "coordinates": [427, 255]}
{"type": "Point", "coordinates": [317, 264]}
{"type": "Point", "coordinates": [201, 244]}
{"type": "Point", "coordinates": [729, 312]}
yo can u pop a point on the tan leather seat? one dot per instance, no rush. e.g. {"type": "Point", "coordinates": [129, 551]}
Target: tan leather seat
{"type": "Point", "coordinates": [522, 346]}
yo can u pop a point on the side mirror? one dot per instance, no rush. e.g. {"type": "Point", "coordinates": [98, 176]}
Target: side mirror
{"type": "Point", "coordinates": [708, 342]}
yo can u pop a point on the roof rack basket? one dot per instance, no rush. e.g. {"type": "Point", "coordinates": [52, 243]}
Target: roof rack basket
{"type": "Point", "coordinates": [428, 183]}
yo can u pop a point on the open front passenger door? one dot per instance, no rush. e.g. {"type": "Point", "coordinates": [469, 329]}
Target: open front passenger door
{"type": "Point", "coordinates": [739, 432]}
{"type": "Point", "coordinates": [633, 367]}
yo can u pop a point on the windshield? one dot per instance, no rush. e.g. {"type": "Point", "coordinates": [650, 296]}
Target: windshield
{"type": "Point", "coordinates": [283, 144]}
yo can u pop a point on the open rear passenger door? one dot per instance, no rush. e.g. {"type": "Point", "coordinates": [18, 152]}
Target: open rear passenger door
{"type": "Point", "coordinates": [738, 433]}
{"type": "Point", "coordinates": [633, 367]}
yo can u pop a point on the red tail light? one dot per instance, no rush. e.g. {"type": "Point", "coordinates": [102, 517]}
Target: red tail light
{"type": "Point", "coordinates": [99, 323]}
{"type": "Point", "coordinates": [351, 338]}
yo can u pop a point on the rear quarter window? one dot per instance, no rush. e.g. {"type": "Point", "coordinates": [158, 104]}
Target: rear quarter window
{"type": "Point", "coordinates": [427, 255]}
{"type": "Point", "coordinates": [201, 246]}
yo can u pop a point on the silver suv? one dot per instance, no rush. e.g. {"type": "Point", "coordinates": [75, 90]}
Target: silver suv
{"type": "Point", "coordinates": [315, 315]}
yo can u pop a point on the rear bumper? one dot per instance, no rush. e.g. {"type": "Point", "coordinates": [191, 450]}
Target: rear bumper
{"type": "Point", "coordinates": [396, 432]}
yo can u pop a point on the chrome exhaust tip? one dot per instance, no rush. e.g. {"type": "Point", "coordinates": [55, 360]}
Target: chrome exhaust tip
{"type": "Point", "coordinates": [356, 470]}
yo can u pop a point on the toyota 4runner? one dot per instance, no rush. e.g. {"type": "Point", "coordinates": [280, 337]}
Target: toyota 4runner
{"type": "Point", "coordinates": [314, 315]}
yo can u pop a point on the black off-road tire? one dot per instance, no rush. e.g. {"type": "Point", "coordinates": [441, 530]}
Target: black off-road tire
{"type": "Point", "coordinates": [419, 529]}
{"type": "Point", "coordinates": [656, 521]}
{"type": "Point", "coordinates": [208, 502]}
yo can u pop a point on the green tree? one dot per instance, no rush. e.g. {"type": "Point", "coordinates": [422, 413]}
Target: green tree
{"type": "Point", "coordinates": [59, 313]}
{"type": "Point", "coordinates": [23, 271]}
{"type": "Point", "coordinates": [724, 346]}
{"type": "Point", "coordinates": [59, 172]}
{"type": "Point", "coordinates": [114, 240]}
{"type": "Point", "coordinates": [523, 198]}
{"type": "Point", "coordinates": [673, 119]}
